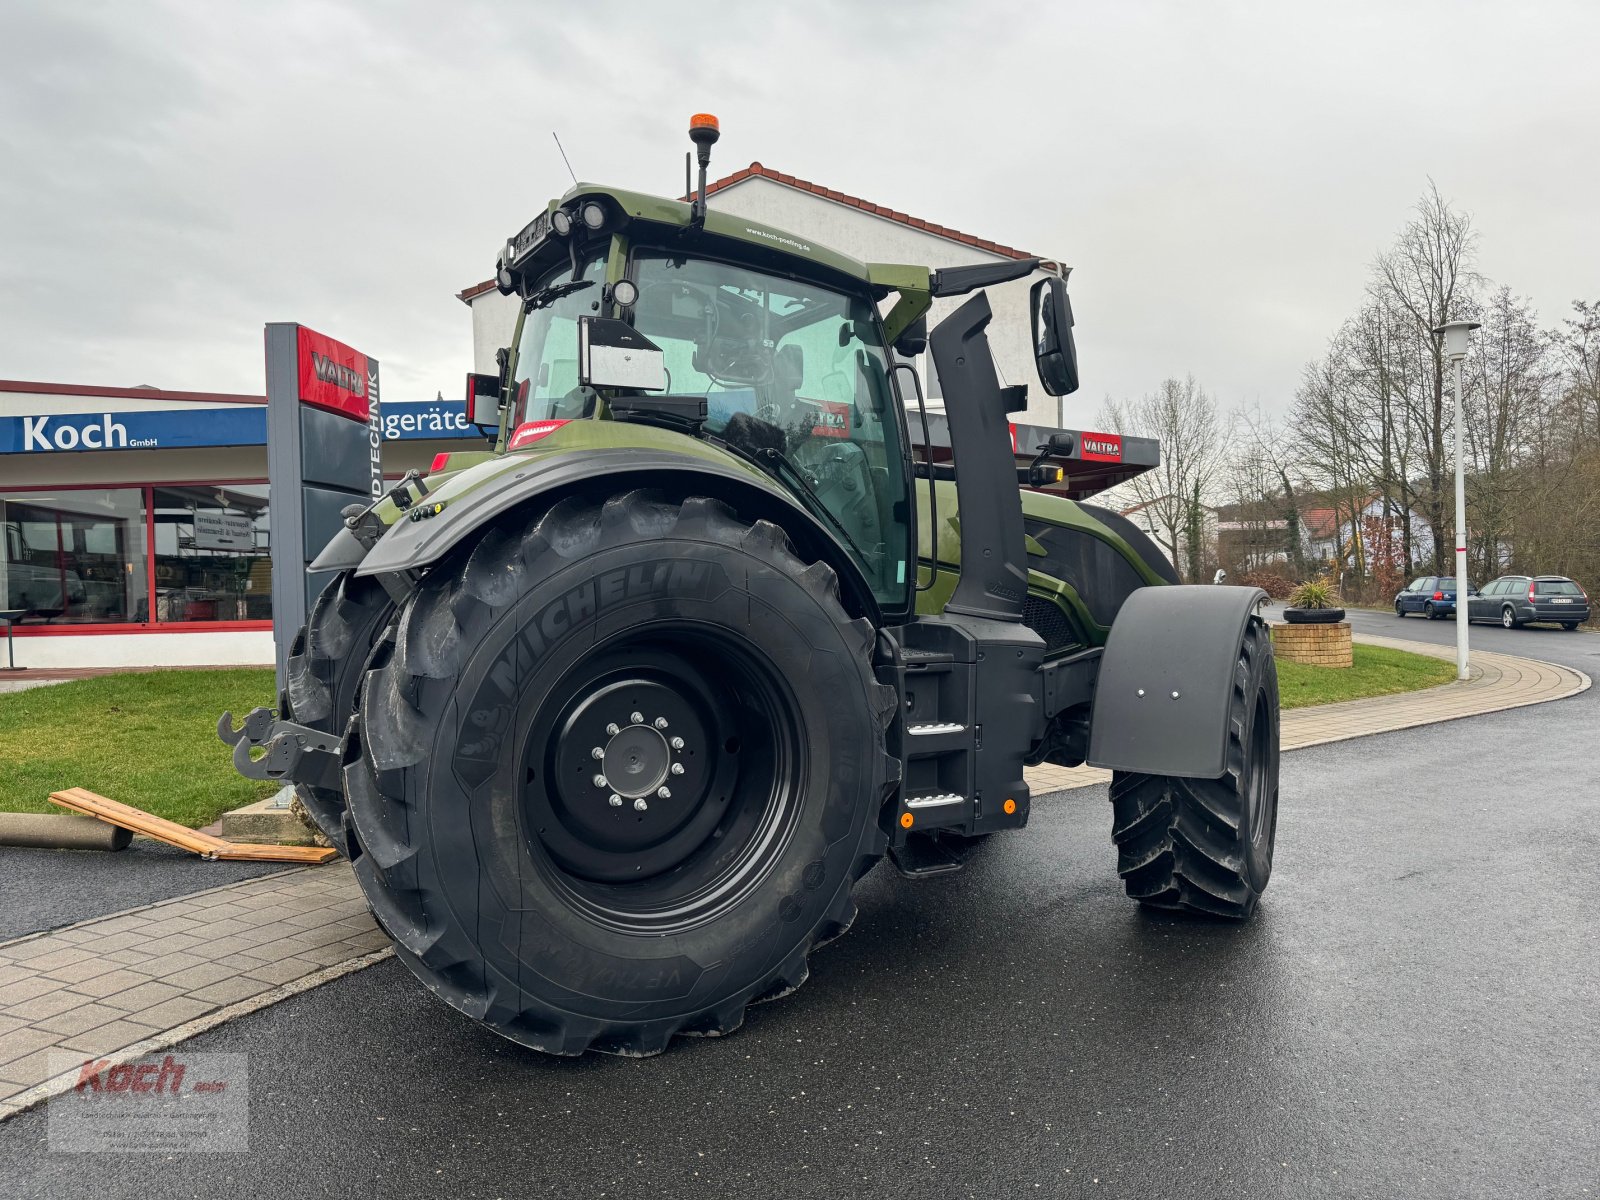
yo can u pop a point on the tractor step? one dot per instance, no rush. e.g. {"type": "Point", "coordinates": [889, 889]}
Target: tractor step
{"type": "Point", "coordinates": [948, 675]}
{"type": "Point", "coordinates": [924, 855]}
{"type": "Point", "coordinates": [937, 800]}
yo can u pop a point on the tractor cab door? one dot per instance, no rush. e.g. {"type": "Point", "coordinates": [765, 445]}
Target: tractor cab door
{"type": "Point", "coordinates": [796, 376]}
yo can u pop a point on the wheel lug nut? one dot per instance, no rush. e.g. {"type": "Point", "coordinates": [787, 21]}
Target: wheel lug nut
{"type": "Point", "coordinates": [612, 729]}
{"type": "Point", "coordinates": [615, 801]}
{"type": "Point", "coordinates": [677, 743]}
{"type": "Point", "coordinates": [677, 768]}
{"type": "Point", "coordinates": [664, 793]}
{"type": "Point", "coordinates": [661, 722]}
{"type": "Point", "coordinates": [600, 781]}
{"type": "Point", "coordinates": [597, 753]}
{"type": "Point", "coordinates": [641, 804]}
{"type": "Point", "coordinates": [636, 718]}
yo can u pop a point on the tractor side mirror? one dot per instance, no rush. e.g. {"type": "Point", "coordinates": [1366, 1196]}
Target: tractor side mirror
{"type": "Point", "coordinates": [483, 400]}
{"type": "Point", "coordinates": [613, 354]}
{"type": "Point", "coordinates": [913, 340]}
{"type": "Point", "coordinates": [1054, 352]}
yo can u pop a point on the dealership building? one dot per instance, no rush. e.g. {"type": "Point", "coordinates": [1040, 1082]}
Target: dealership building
{"type": "Point", "coordinates": [136, 520]}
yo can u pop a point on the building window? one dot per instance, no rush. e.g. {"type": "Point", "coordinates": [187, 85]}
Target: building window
{"type": "Point", "coordinates": [212, 553]}
{"type": "Point", "coordinates": [147, 557]}
{"type": "Point", "coordinates": [75, 557]}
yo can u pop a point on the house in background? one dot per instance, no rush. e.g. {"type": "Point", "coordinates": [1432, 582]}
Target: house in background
{"type": "Point", "coordinates": [1345, 537]}
{"type": "Point", "coordinates": [1254, 535]}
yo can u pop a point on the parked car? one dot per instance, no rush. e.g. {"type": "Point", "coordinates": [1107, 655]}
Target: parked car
{"type": "Point", "coordinates": [1431, 595]}
{"type": "Point", "coordinates": [1515, 600]}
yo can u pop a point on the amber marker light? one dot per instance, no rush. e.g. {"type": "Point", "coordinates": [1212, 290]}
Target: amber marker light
{"type": "Point", "coordinates": [1010, 806]}
{"type": "Point", "coordinates": [906, 820]}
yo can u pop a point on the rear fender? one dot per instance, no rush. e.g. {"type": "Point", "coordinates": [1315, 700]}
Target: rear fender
{"type": "Point", "coordinates": [1164, 693]}
{"type": "Point", "coordinates": [428, 532]}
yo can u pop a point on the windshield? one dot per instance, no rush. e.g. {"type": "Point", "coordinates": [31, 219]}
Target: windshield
{"type": "Point", "coordinates": [797, 369]}
{"type": "Point", "coordinates": [546, 374]}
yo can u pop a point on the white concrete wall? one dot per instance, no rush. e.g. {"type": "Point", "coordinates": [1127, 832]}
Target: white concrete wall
{"type": "Point", "coordinates": [251, 647]}
{"type": "Point", "coordinates": [869, 238]}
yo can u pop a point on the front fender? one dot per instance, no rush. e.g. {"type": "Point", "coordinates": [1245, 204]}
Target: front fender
{"type": "Point", "coordinates": [479, 496]}
{"type": "Point", "coordinates": [1165, 690]}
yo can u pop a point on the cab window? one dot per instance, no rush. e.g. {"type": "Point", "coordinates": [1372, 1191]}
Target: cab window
{"type": "Point", "coordinates": [546, 373]}
{"type": "Point", "coordinates": [798, 368]}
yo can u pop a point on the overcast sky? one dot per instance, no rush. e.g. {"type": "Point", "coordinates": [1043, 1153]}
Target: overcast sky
{"type": "Point", "coordinates": [173, 175]}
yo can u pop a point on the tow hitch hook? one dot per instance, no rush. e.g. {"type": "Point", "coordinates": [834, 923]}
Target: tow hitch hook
{"type": "Point", "coordinates": [292, 752]}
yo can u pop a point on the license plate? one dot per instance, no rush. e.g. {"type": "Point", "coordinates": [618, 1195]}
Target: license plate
{"type": "Point", "coordinates": [1562, 600]}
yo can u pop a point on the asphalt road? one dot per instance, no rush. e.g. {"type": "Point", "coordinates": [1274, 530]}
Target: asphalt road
{"type": "Point", "coordinates": [1411, 1013]}
{"type": "Point", "coordinates": [46, 889]}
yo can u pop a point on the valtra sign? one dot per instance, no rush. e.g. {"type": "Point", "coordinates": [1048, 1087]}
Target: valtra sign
{"type": "Point", "coordinates": [332, 375]}
{"type": "Point", "coordinates": [325, 431]}
{"type": "Point", "coordinates": [344, 381]}
{"type": "Point", "coordinates": [1101, 447]}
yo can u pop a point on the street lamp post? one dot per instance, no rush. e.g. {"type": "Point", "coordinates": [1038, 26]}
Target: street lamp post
{"type": "Point", "coordinates": [1455, 350]}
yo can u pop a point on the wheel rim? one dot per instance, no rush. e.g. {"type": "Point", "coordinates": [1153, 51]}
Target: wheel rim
{"type": "Point", "coordinates": [662, 778]}
{"type": "Point", "coordinates": [1261, 798]}
{"type": "Point", "coordinates": [1506, 618]}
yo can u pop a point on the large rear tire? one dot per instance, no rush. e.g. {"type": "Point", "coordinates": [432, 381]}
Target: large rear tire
{"type": "Point", "coordinates": [326, 665]}
{"type": "Point", "coordinates": [1205, 845]}
{"type": "Point", "coordinates": [619, 773]}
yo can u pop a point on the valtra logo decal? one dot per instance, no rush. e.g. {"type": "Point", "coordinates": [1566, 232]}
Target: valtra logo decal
{"type": "Point", "coordinates": [1101, 447]}
{"type": "Point", "coordinates": [831, 420]}
{"type": "Point", "coordinates": [530, 432]}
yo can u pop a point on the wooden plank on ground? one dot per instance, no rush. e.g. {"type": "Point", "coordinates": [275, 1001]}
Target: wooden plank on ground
{"type": "Point", "coordinates": [114, 812]}
{"type": "Point", "coordinates": [257, 852]}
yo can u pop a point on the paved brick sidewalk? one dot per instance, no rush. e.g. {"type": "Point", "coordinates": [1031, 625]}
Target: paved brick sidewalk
{"type": "Point", "coordinates": [116, 983]}
{"type": "Point", "coordinates": [1498, 681]}
{"type": "Point", "coordinates": [131, 983]}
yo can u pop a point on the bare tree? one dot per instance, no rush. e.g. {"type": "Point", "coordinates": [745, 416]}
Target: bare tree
{"type": "Point", "coordinates": [1577, 346]}
{"type": "Point", "coordinates": [1509, 378]}
{"type": "Point", "coordinates": [1427, 276]}
{"type": "Point", "coordinates": [1184, 419]}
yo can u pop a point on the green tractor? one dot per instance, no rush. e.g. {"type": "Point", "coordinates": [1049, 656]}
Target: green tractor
{"type": "Point", "coordinates": [610, 719]}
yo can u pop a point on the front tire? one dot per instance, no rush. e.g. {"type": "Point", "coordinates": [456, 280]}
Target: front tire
{"type": "Point", "coordinates": [1398, 611]}
{"type": "Point", "coordinates": [620, 774]}
{"type": "Point", "coordinates": [326, 664]}
{"type": "Point", "coordinates": [1205, 845]}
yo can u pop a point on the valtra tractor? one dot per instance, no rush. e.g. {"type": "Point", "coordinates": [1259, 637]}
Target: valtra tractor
{"type": "Point", "coordinates": [610, 719]}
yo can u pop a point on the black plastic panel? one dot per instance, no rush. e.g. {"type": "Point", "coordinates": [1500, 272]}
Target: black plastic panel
{"type": "Point", "coordinates": [1096, 570]}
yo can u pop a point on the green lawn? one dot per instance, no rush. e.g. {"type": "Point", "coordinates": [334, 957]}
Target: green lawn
{"type": "Point", "coordinates": [1378, 671]}
{"type": "Point", "coordinates": [147, 739]}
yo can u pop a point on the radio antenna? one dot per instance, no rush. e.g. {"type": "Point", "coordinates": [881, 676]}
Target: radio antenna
{"type": "Point", "coordinates": [565, 159]}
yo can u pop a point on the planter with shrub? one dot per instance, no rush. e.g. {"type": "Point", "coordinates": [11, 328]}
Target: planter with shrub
{"type": "Point", "coordinates": [1313, 603]}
